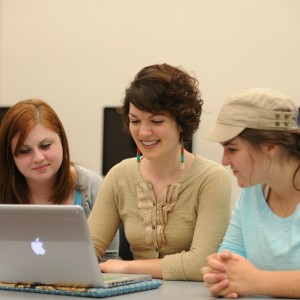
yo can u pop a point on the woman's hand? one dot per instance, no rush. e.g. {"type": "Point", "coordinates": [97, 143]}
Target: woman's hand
{"type": "Point", "coordinates": [139, 266]}
{"type": "Point", "coordinates": [244, 278]}
{"type": "Point", "coordinates": [215, 274]}
{"type": "Point", "coordinates": [115, 266]}
{"type": "Point", "coordinates": [230, 275]}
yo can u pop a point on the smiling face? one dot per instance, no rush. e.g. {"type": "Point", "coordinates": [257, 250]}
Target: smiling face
{"type": "Point", "coordinates": [40, 156]}
{"type": "Point", "coordinates": [156, 135]}
{"type": "Point", "coordinates": [248, 165]}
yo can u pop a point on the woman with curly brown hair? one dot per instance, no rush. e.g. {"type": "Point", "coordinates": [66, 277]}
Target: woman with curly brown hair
{"type": "Point", "coordinates": [174, 205]}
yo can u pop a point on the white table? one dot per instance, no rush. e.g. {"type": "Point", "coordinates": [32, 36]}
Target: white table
{"type": "Point", "coordinates": [171, 290]}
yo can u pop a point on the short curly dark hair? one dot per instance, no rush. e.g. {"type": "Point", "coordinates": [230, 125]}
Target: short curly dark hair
{"type": "Point", "coordinates": [163, 88]}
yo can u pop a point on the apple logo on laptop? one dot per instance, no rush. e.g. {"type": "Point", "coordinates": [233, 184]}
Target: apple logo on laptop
{"type": "Point", "coordinates": [37, 247]}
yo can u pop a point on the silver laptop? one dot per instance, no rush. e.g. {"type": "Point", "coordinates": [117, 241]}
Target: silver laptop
{"type": "Point", "coordinates": [50, 244]}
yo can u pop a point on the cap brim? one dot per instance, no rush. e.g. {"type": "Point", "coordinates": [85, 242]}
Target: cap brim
{"type": "Point", "coordinates": [222, 133]}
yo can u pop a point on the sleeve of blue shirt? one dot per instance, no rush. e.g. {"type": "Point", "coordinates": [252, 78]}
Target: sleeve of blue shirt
{"type": "Point", "coordinates": [233, 240]}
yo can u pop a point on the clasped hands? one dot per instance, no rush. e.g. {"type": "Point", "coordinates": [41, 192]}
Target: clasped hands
{"type": "Point", "coordinates": [229, 275]}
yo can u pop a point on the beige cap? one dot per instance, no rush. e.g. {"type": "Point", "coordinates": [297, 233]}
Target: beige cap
{"type": "Point", "coordinates": [257, 108]}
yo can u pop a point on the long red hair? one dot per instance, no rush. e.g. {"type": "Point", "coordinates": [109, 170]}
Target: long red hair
{"type": "Point", "coordinates": [19, 120]}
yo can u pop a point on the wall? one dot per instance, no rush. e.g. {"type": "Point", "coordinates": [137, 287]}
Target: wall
{"type": "Point", "coordinates": [79, 55]}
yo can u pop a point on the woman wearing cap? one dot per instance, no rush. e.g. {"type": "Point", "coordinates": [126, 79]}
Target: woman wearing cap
{"type": "Point", "coordinates": [260, 253]}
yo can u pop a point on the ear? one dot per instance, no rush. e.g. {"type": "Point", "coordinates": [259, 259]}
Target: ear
{"type": "Point", "coordinates": [270, 149]}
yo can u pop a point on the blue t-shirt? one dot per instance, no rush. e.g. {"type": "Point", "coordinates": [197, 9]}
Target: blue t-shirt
{"type": "Point", "coordinates": [265, 239]}
{"type": "Point", "coordinates": [78, 198]}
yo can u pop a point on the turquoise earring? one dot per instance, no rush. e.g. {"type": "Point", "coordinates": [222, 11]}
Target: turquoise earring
{"type": "Point", "coordinates": [182, 152]}
{"type": "Point", "coordinates": [138, 154]}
